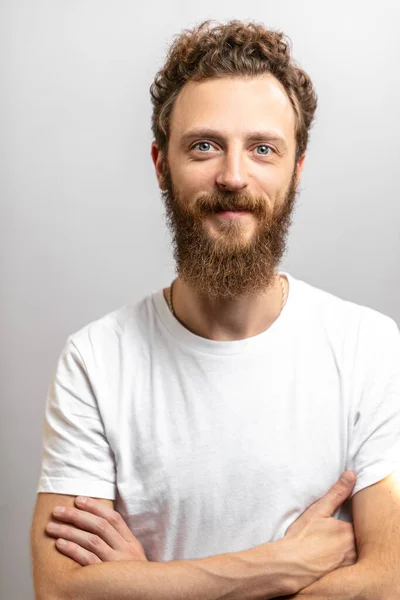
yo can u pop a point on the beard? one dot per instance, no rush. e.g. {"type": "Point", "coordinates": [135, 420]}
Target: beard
{"type": "Point", "coordinates": [230, 263]}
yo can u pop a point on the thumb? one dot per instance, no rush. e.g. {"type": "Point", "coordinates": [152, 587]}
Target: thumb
{"type": "Point", "coordinates": [334, 498]}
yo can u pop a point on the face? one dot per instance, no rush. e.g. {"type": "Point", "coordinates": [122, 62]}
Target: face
{"type": "Point", "coordinates": [231, 148]}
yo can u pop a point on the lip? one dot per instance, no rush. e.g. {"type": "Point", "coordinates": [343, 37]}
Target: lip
{"type": "Point", "coordinates": [232, 214]}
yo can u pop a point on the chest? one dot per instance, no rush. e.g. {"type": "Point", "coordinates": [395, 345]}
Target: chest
{"type": "Point", "coordinates": [216, 444]}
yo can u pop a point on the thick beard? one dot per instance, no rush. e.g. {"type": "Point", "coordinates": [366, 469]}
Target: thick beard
{"type": "Point", "coordinates": [228, 266]}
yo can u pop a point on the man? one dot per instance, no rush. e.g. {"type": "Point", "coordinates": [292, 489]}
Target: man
{"type": "Point", "coordinates": [219, 411]}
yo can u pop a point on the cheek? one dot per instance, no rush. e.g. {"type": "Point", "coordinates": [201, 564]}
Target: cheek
{"type": "Point", "coordinates": [276, 179]}
{"type": "Point", "coordinates": [194, 177]}
{"type": "Point", "coordinates": [269, 184]}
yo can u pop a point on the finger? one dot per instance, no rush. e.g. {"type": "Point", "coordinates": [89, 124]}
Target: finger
{"type": "Point", "coordinates": [326, 506]}
{"type": "Point", "coordinates": [92, 523]}
{"type": "Point", "coordinates": [78, 554]}
{"type": "Point", "coordinates": [334, 498]}
{"type": "Point", "coordinates": [112, 516]}
{"type": "Point", "coordinates": [87, 541]}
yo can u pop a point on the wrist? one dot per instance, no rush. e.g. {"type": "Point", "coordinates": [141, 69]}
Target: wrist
{"type": "Point", "coordinates": [270, 569]}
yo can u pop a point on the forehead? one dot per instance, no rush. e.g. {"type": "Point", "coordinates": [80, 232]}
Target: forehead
{"type": "Point", "coordinates": [234, 105]}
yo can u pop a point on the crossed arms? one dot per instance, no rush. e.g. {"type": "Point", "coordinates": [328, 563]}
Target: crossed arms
{"type": "Point", "coordinates": [375, 575]}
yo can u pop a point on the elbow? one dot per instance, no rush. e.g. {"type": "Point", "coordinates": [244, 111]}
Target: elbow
{"type": "Point", "coordinates": [59, 589]}
{"type": "Point", "coordinates": [49, 595]}
{"type": "Point", "coordinates": [45, 594]}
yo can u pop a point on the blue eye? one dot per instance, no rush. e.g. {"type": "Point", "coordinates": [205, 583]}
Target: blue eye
{"type": "Point", "coordinates": [202, 144]}
{"type": "Point", "coordinates": [203, 150]}
{"type": "Point", "coordinates": [264, 146]}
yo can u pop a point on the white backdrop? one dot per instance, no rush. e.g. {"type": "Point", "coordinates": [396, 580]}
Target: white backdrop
{"type": "Point", "coordinates": [82, 227]}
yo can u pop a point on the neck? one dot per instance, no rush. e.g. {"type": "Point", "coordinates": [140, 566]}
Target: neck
{"type": "Point", "coordinates": [226, 320]}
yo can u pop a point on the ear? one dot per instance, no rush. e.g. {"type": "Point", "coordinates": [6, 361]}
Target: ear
{"type": "Point", "coordinates": [300, 166]}
{"type": "Point", "coordinates": [158, 160]}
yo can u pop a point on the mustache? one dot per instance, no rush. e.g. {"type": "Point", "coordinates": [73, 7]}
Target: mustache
{"type": "Point", "coordinates": [230, 201]}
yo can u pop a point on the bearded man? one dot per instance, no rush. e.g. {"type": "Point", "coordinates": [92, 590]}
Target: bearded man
{"type": "Point", "coordinates": [238, 431]}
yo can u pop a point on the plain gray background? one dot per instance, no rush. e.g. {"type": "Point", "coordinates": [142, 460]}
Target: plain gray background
{"type": "Point", "coordinates": [82, 222]}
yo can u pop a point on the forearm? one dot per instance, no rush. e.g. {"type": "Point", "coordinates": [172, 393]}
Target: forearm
{"type": "Point", "coordinates": [233, 576]}
{"type": "Point", "coordinates": [362, 581]}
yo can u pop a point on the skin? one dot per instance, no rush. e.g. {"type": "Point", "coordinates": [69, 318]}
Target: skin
{"type": "Point", "coordinates": [98, 534]}
{"type": "Point", "coordinates": [375, 575]}
{"type": "Point", "coordinates": [227, 286]}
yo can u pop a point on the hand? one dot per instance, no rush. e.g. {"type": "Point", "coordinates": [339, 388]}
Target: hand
{"type": "Point", "coordinates": [101, 534]}
{"type": "Point", "coordinates": [322, 542]}
{"type": "Point", "coordinates": [316, 543]}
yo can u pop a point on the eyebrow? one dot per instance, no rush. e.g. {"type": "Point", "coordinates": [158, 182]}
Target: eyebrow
{"type": "Point", "coordinates": [253, 136]}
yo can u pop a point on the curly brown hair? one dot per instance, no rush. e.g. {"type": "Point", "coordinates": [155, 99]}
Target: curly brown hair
{"type": "Point", "coordinates": [237, 48]}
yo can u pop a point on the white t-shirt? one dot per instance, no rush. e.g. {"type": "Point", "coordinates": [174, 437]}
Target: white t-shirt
{"type": "Point", "coordinates": [218, 446]}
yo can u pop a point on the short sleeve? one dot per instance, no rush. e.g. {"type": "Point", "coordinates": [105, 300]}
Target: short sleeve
{"type": "Point", "coordinates": [374, 451]}
{"type": "Point", "coordinates": [76, 456]}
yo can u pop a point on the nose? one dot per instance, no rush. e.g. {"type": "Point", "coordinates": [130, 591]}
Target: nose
{"type": "Point", "coordinates": [232, 173]}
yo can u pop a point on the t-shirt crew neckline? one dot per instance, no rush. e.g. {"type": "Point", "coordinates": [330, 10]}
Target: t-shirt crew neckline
{"type": "Point", "coordinates": [253, 344]}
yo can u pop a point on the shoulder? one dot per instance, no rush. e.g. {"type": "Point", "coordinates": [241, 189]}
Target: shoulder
{"type": "Point", "coordinates": [338, 311]}
{"type": "Point", "coordinates": [350, 328]}
{"type": "Point", "coordinates": [110, 337]}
